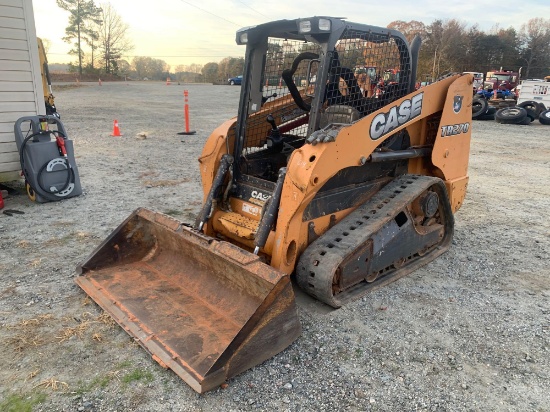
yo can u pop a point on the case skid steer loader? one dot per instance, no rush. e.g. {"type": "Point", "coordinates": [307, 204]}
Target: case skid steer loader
{"type": "Point", "coordinates": [343, 191]}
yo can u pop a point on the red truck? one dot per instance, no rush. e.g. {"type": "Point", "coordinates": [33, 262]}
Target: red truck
{"type": "Point", "coordinates": [502, 79]}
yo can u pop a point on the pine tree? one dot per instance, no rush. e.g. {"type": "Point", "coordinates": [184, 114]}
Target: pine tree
{"type": "Point", "coordinates": [82, 14]}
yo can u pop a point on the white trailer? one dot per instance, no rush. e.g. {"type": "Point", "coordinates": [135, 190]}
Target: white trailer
{"type": "Point", "coordinates": [21, 92]}
{"type": "Point", "coordinates": [537, 91]}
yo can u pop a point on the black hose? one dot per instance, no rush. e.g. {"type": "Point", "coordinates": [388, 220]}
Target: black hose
{"type": "Point", "coordinates": [70, 178]}
{"type": "Point", "coordinates": [70, 171]}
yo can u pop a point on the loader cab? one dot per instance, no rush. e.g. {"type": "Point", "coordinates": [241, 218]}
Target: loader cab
{"type": "Point", "coordinates": [300, 76]}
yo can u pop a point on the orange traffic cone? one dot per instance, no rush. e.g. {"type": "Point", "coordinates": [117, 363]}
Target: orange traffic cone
{"type": "Point", "coordinates": [116, 130]}
{"type": "Point", "coordinates": [168, 81]}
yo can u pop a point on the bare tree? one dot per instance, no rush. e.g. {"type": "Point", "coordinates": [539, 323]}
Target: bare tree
{"type": "Point", "coordinates": [444, 49]}
{"type": "Point", "coordinates": [210, 72]}
{"type": "Point", "coordinates": [179, 72]}
{"type": "Point", "coordinates": [194, 68]}
{"type": "Point", "coordinates": [230, 66]}
{"type": "Point", "coordinates": [113, 38]}
{"type": "Point", "coordinates": [123, 67]}
{"type": "Point", "coordinates": [454, 42]}
{"type": "Point", "coordinates": [535, 45]}
{"type": "Point", "coordinates": [409, 29]}
{"type": "Point", "coordinates": [151, 68]}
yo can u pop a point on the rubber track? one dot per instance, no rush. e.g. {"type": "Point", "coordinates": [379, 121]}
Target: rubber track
{"type": "Point", "coordinates": [319, 262]}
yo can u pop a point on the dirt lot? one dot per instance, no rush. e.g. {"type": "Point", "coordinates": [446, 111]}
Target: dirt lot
{"type": "Point", "coordinates": [468, 332]}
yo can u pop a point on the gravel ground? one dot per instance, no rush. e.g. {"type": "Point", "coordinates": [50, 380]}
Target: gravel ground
{"type": "Point", "coordinates": [467, 332]}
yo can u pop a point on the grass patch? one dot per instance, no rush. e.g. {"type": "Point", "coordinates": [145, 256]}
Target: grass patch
{"type": "Point", "coordinates": [106, 319]}
{"type": "Point", "coordinates": [98, 382]}
{"type": "Point", "coordinates": [137, 375]}
{"type": "Point", "coordinates": [18, 403]}
{"type": "Point", "coordinates": [27, 333]}
{"type": "Point", "coordinates": [103, 381]}
{"type": "Point", "coordinates": [24, 340]}
{"type": "Point", "coordinates": [38, 331]}
{"type": "Point", "coordinates": [34, 322]}
{"type": "Point", "coordinates": [87, 325]}
{"type": "Point", "coordinates": [82, 388]}
{"type": "Point", "coordinates": [42, 330]}
{"type": "Point", "coordinates": [69, 332]}
{"type": "Point", "coordinates": [123, 365]}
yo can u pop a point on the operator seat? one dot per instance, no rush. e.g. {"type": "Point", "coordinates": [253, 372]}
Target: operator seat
{"type": "Point", "coordinates": [339, 113]}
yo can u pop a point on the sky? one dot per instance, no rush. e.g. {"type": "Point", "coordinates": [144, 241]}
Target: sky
{"type": "Point", "coordinates": [193, 31]}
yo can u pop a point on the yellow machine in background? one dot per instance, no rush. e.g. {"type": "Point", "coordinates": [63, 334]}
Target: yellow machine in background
{"type": "Point", "coordinates": [46, 80]}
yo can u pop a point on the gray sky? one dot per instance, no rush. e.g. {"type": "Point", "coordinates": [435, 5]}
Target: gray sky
{"type": "Point", "coordinates": [192, 31]}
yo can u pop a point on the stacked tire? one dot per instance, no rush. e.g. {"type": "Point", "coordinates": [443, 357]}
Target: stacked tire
{"type": "Point", "coordinates": [524, 113]}
{"type": "Point", "coordinates": [512, 115]}
{"type": "Point", "coordinates": [482, 111]}
{"type": "Point", "coordinates": [537, 110]}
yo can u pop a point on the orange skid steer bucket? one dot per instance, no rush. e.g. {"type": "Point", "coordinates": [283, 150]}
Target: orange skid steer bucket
{"type": "Point", "coordinates": [202, 307]}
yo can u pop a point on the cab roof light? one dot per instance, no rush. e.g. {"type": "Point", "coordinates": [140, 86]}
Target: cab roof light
{"type": "Point", "coordinates": [315, 25]}
{"type": "Point", "coordinates": [305, 26]}
{"type": "Point", "coordinates": [324, 24]}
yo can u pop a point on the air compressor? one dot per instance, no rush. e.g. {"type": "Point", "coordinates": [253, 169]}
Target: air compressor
{"type": "Point", "coordinates": [47, 159]}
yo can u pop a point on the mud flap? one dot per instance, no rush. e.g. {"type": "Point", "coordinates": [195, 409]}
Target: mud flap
{"type": "Point", "coordinates": [204, 308]}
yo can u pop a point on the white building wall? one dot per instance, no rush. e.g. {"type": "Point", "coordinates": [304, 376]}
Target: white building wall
{"type": "Point", "coordinates": [20, 80]}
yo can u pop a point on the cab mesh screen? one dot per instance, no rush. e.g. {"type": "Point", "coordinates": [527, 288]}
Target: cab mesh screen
{"type": "Point", "coordinates": [366, 72]}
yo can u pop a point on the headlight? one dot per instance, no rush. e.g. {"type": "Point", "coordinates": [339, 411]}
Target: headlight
{"type": "Point", "coordinates": [315, 25]}
{"type": "Point", "coordinates": [305, 26]}
{"type": "Point", "coordinates": [243, 38]}
{"type": "Point", "coordinates": [324, 24]}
